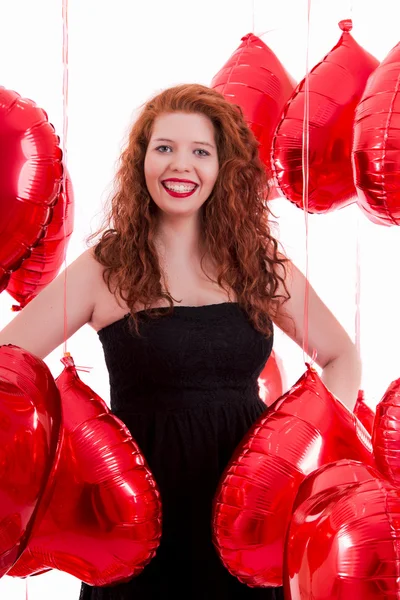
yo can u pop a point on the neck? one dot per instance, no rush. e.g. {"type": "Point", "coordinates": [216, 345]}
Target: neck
{"type": "Point", "coordinates": [179, 238]}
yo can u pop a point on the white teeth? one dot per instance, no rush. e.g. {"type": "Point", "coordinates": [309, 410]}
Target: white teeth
{"type": "Point", "coordinates": [180, 188]}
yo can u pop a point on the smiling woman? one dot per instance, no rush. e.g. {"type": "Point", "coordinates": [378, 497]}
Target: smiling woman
{"type": "Point", "coordinates": [183, 286]}
{"type": "Point", "coordinates": [187, 250]}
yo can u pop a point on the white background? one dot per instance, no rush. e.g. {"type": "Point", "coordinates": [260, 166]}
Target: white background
{"type": "Point", "coordinates": [120, 53]}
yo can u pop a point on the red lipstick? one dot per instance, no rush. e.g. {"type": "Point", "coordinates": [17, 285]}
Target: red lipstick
{"type": "Point", "coordinates": [179, 194]}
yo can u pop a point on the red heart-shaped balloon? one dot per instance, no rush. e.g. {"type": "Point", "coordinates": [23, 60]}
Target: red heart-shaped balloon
{"type": "Point", "coordinates": [47, 256]}
{"type": "Point", "coordinates": [344, 536]}
{"type": "Point", "coordinates": [335, 86]}
{"type": "Point", "coordinates": [376, 145]}
{"type": "Point", "coordinates": [306, 428]}
{"type": "Point", "coordinates": [386, 434]}
{"type": "Point", "coordinates": [101, 515]}
{"type": "Point", "coordinates": [254, 78]}
{"type": "Point", "coordinates": [30, 417]}
{"type": "Point", "coordinates": [30, 178]}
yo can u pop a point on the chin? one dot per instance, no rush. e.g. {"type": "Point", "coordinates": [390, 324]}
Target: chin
{"type": "Point", "coordinates": [179, 211]}
{"type": "Point", "coordinates": [179, 208]}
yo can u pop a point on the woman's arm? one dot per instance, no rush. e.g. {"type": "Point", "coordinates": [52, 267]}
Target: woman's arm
{"type": "Point", "coordinates": [336, 353]}
{"type": "Point", "coordinates": [39, 327]}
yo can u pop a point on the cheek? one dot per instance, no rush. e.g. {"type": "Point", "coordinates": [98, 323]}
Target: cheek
{"type": "Point", "coordinates": [150, 170]}
{"type": "Point", "coordinates": [212, 175]}
{"type": "Point", "coordinates": [146, 166]}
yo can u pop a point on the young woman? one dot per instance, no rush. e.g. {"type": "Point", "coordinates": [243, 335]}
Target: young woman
{"type": "Point", "coordinates": [183, 285]}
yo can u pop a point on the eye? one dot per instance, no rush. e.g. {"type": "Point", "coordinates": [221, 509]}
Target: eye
{"type": "Point", "coordinates": [201, 150]}
{"type": "Point", "coordinates": [159, 148]}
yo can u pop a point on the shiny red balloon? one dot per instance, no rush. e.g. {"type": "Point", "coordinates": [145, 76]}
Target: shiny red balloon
{"type": "Point", "coordinates": [100, 519]}
{"type": "Point", "coordinates": [335, 87]}
{"type": "Point", "coordinates": [376, 147]}
{"type": "Point", "coordinates": [364, 413]}
{"type": "Point", "coordinates": [386, 434]}
{"type": "Point", "coordinates": [272, 381]}
{"type": "Point", "coordinates": [47, 257]}
{"type": "Point", "coordinates": [332, 477]}
{"type": "Point", "coordinates": [30, 178]}
{"type": "Point", "coordinates": [30, 417]}
{"type": "Point", "coordinates": [344, 536]}
{"type": "Point", "coordinates": [254, 78]}
{"type": "Point", "coordinates": [306, 428]}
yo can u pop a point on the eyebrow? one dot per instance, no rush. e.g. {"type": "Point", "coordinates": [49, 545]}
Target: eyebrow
{"type": "Point", "coordinates": [172, 141]}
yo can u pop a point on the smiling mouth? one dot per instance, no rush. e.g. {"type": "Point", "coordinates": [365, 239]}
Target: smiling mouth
{"type": "Point", "coordinates": [180, 190]}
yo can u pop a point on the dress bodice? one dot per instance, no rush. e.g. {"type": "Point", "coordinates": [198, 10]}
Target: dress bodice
{"type": "Point", "coordinates": [198, 352]}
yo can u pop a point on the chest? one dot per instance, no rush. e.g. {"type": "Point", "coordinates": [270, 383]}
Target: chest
{"type": "Point", "coordinates": [191, 286]}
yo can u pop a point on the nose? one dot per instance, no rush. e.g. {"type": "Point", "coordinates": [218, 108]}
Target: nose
{"type": "Point", "coordinates": [180, 161]}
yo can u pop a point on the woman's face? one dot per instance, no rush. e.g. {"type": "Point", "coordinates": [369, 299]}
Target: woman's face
{"type": "Point", "coordinates": [181, 162]}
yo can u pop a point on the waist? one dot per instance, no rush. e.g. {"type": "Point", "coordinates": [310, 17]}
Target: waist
{"type": "Point", "coordinates": [178, 399]}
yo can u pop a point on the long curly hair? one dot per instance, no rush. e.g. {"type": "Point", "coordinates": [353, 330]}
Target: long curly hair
{"type": "Point", "coordinates": [235, 218]}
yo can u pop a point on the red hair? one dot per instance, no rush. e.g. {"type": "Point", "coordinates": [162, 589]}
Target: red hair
{"type": "Point", "coordinates": [235, 217]}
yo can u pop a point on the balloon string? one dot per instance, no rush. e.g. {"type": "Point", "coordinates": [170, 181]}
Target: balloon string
{"type": "Point", "coordinates": [64, 150]}
{"type": "Point", "coordinates": [259, 35]}
{"type": "Point", "coordinates": [83, 369]}
{"type": "Point", "coordinates": [357, 334]}
{"type": "Point", "coordinates": [351, 9]}
{"type": "Point", "coordinates": [26, 589]}
{"type": "Point", "coordinates": [305, 173]}
{"type": "Point", "coordinates": [358, 287]}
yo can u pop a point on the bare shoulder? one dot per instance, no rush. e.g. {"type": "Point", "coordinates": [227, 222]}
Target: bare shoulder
{"type": "Point", "coordinates": [108, 306]}
{"type": "Point", "coordinates": [87, 270]}
{"type": "Point", "coordinates": [89, 265]}
{"type": "Point", "coordinates": [39, 327]}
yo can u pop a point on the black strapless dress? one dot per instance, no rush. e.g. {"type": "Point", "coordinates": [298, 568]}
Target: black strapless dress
{"type": "Point", "coordinates": [188, 392]}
